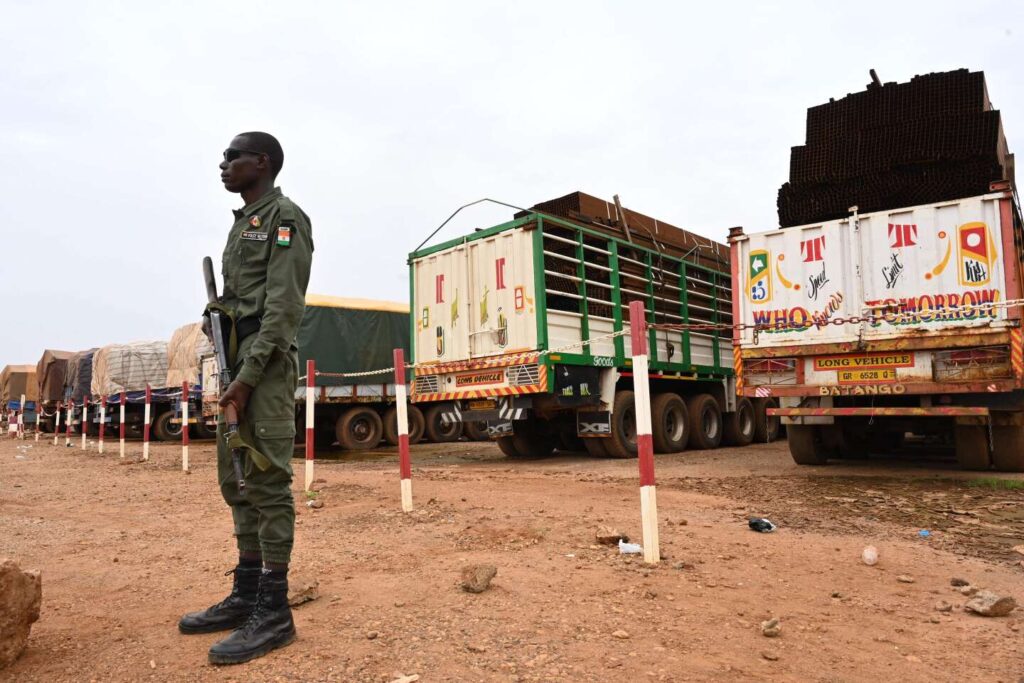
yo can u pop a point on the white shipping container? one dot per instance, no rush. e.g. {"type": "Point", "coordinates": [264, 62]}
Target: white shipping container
{"type": "Point", "coordinates": [920, 268]}
{"type": "Point", "coordinates": [476, 299]}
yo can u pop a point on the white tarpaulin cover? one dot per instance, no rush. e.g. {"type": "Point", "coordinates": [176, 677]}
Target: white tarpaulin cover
{"type": "Point", "coordinates": [129, 367]}
{"type": "Point", "coordinates": [188, 344]}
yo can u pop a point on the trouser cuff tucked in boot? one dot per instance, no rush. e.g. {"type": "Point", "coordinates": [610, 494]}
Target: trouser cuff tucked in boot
{"type": "Point", "coordinates": [276, 554]}
{"type": "Point", "coordinates": [248, 543]}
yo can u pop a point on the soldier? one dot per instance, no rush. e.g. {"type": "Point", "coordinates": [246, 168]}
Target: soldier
{"type": "Point", "coordinates": [266, 269]}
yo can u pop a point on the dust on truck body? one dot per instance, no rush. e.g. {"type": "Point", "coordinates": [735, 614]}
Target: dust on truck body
{"type": "Point", "coordinates": [496, 314]}
{"type": "Point", "coordinates": [876, 325]}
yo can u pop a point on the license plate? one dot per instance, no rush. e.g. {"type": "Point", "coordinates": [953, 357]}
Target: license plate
{"type": "Point", "coordinates": [483, 405]}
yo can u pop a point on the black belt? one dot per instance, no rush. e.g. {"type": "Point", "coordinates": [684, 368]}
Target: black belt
{"type": "Point", "coordinates": [246, 326]}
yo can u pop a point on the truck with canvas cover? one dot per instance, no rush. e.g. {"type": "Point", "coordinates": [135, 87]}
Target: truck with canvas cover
{"type": "Point", "coordinates": [17, 381]}
{"type": "Point", "coordinates": [500, 317]}
{"type": "Point", "coordinates": [897, 322]}
{"type": "Point", "coordinates": [343, 336]}
{"type": "Point", "coordinates": [131, 368]}
{"type": "Point", "coordinates": [50, 372]}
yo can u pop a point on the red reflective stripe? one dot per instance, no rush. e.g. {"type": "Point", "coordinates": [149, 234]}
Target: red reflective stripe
{"type": "Point", "coordinates": [184, 424]}
{"type": "Point", "coordinates": [124, 400]}
{"type": "Point", "coordinates": [404, 464]}
{"type": "Point", "coordinates": [638, 327]}
{"type": "Point", "coordinates": [645, 451]}
{"type": "Point", "coordinates": [145, 427]}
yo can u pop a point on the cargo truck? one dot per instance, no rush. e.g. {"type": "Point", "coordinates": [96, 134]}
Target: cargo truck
{"type": "Point", "coordinates": [17, 381]}
{"type": "Point", "coordinates": [344, 336]}
{"type": "Point", "coordinates": [50, 373]}
{"type": "Point", "coordinates": [881, 325]}
{"type": "Point", "coordinates": [499, 316]}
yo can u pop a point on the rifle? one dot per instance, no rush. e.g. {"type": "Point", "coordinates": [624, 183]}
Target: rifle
{"type": "Point", "coordinates": [217, 326]}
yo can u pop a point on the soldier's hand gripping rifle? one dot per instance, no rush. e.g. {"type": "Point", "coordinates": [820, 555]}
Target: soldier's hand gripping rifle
{"type": "Point", "coordinates": [217, 325]}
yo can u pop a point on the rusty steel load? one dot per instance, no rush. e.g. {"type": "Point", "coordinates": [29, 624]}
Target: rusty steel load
{"type": "Point", "coordinates": [935, 138]}
{"type": "Point", "coordinates": [650, 233]}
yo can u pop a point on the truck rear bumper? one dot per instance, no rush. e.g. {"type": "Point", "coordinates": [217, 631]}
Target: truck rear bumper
{"type": "Point", "coordinates": [939, 411]}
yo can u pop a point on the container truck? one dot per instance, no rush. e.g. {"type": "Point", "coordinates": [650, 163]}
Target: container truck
{"type": "Point", "coordinates": [890, 323]}
{"type": "Point", "coordinates": [499, 316]}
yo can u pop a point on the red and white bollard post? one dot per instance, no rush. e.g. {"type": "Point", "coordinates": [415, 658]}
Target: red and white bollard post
{"type": "Point", "coordinates": [644, 443]}
{"type": "Point", "coordinates": [184, 426]}
{"type": "Point", "coordinates": [402, 409]}
{"type": "Point", "coordinates": [121, 428]}
{"type": "Point", "coordinates": [56, 425]}
{"type": "Point", "coordinates": [20, 420]}
{"type": "Point", "coordinates": [145, 423]}
{"type": "Point", "coordinates": [103, 420]}
{"type": "Point", "coordinates": [69, 414]}
{"type": "Point", "coordinates": [310, 400]}
{"type": "Point", "coordinates": [85, 420]}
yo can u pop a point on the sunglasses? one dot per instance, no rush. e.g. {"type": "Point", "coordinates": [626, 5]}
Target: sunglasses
{"type": "Point", "coordinates": [230, 154]}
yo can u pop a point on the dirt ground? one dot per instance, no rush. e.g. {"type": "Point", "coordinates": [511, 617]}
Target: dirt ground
{"type": "Point", "coordinates": [125, 547]}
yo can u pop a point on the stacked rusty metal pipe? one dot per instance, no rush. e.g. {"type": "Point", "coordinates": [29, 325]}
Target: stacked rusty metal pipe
{"type": "Point", "coordinates": [932, 139]}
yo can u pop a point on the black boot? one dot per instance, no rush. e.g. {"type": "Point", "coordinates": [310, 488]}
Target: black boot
{"type": "Point", "coordinates": [232, 611]}
{"type": "Point", "coordinates": [270, 625]}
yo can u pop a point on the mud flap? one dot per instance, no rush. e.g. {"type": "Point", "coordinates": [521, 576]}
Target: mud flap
{"type": "Point", "coordinates": [499, 428]}
{"type": "Point", "coordinates": [593, 423]}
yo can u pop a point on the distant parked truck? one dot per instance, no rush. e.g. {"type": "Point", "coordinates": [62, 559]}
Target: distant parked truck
{"type": "Point", "coordinates": [130, 368]}
{"type": "Point", "coordinates": [17, 381]}
{"type": "Point", "coordinates": [874, 326]}
{"type": "Point", "coordinates": [500, 314]}
{"type": "Point", "coordinates": [343, 336]}
{"type": "Point", "coordinates": [50, 372]}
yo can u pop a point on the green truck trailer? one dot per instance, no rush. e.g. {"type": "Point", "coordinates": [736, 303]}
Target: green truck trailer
{"type": "Point", "coordinates": [500, 318]}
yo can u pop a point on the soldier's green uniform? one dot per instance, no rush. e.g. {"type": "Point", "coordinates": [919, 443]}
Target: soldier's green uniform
{"type": "Point", "coordinates": [266, 269]}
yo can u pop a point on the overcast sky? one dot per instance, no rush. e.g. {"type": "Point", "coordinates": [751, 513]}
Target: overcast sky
{"type": "Point", "coordinates": [114, 116]}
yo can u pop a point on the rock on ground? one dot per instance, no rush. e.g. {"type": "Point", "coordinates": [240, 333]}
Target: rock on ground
{"type": "Point", "coordinates": [609, 536]}
{"type": "Point", "coordinates": [988, 604]}
{"type": "Point", "coordinates": [302, 589]}
{"type": "Point", "coordinates": [21, 594]}
{"type": "Point", "coordinates": [476, 578]}
{"type": "Point", "coordinates": [771, 628]}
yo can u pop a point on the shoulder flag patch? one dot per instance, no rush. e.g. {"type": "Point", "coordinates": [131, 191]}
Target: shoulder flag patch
{"type": "Point", "coordinates": [284, 236]}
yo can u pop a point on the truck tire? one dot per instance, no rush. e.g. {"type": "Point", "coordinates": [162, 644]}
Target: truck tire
{"type": "Point", "coordinates": [390, 421]}
{"type": "Point", "coordinates": [670, 422]}
{"type": "Point", "coordinates": [202, 431]}
{"type": "Point", "coordinates": [533, 438]}
{"type": "Point", "coordinates": [435, 430]}
{"type": "Point", "coordinates": [705, 422]}
{"type": "Point", "coordinates": [359, 429]}
{"type": "Point", "coordinates": [972, 447]}
{"type": "Point", "coordinates": [568, 440]}
{"type": "Point", "coordinates": [1008, 448]}
{"type": "Point", "coordinates": [766, 428]}
{"type": "Point", "coordinates": [475, 431]}
{"type": "Point", "coordinates": [163, 430]}
{"type": "Point", "coordinates": [738, 426]}
{"type": "Point", "coordinates": [508, 447]}
{"type": "Point", "coordinates": [622, 443]}
{"type": "Point", "coordinates": [595, 447]}
{"type": "Point", "coordinates": [805, 445]}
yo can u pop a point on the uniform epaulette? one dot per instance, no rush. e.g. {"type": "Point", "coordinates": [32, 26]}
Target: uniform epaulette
{"type": "Point", "coordinates": [287, 210]}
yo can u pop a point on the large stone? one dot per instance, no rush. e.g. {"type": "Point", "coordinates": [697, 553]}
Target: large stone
{"type": "Point", "coordinates": [302, 589]}
{"type": "Point", "coordinates": [21, 594]}
{"type": "Point", "coordinates": [606, 535]}
{"type": "Point", "coordinates": [477, 578]}
{"type": "Point", "coordinates": [988, 604]}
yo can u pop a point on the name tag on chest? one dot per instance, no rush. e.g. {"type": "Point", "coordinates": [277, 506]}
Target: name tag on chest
{"type": "Point", "coordinates": [254, 236]}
